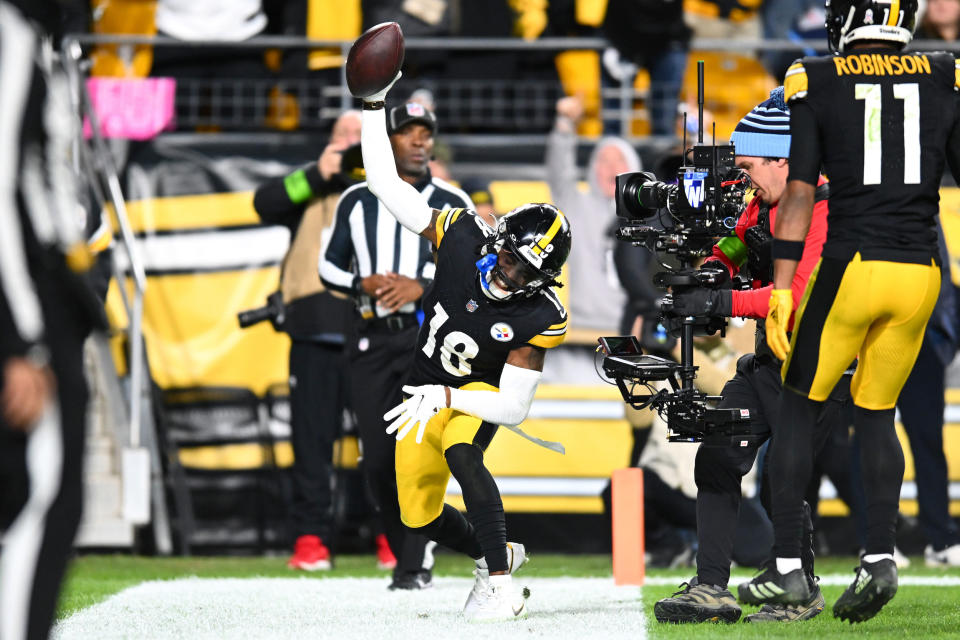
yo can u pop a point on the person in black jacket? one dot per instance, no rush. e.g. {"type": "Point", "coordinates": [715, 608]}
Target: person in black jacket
{"type": "Point", "coordinates": [316, 321]}
{"type": "Point", "coordinates": [921, 406]}
{"type": "Point", "coordinates": [652, 34]}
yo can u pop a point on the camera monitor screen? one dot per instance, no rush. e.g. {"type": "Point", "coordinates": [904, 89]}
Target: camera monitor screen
{"type": "Point", "coordinates": [620, 346]}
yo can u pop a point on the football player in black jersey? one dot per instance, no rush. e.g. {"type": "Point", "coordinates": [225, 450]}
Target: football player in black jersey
{"type": "Point", "coordinates": [490, 316]}
{"type": "Point", "coordinates": [883, 123]}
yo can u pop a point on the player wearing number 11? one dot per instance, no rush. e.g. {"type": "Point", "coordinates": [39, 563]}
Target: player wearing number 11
{"type": "Point", "coordinates": [489, 318]}
{"type": "Point", "coordinates": [883, 123]}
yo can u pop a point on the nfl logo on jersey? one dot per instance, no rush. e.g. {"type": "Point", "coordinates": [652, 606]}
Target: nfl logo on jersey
{"type": "Point", "coordinates": [472, 305]}
{"type": "Point", "coordinates": [502, 332]}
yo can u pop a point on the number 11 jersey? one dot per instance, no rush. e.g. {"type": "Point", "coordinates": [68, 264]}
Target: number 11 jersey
{"type": "Point", "coordinates": [883, 120]}
{"type": "Point", "coordinates": [466, 336]}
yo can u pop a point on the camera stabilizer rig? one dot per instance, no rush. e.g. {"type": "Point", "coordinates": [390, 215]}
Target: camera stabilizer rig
{"type": "Point", "coordinates": [693, 213]}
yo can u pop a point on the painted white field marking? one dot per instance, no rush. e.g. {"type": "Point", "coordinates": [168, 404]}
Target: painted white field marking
{"type": "Point", "coordinates": [355, 608]}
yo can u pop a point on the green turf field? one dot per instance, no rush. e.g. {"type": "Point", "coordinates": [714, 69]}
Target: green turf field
{"type": "Point", "coordinates": [918, 612]}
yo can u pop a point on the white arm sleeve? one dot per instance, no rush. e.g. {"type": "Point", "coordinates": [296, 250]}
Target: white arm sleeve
{"type": "Point", "coordinates": [508, 406]}
{"type": "Point", "coordinates": [404, 202]}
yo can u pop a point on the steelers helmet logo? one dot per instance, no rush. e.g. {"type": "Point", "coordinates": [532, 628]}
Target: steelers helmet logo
{"type": "Point", "coordinates": [501, 332]}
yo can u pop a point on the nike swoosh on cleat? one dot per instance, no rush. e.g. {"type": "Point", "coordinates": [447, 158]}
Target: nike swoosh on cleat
{"type": "Point", "coordinates": [516, 611]}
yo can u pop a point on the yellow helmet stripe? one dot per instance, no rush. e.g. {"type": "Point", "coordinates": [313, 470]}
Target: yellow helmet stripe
{"type": "Point", "coordinates": [894, 13]}
{"type": "Point", "coordinates": [548, 236]}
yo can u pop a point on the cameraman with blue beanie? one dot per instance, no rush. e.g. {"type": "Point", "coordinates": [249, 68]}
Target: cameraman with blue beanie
{"type": "Point", "coordinates": [762, 146]}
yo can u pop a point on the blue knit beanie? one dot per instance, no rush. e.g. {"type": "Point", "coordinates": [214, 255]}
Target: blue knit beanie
{"type": "Point", "coordinates": [765, 131]}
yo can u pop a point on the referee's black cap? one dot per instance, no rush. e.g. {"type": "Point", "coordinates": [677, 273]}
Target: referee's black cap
{"type": "Point", "coordinates": [412, 112]}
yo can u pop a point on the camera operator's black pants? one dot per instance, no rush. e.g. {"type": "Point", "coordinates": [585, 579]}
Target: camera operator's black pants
{"type": "Point", "coordinates": [720, 468]}
{"type": "Point", "coordinates": [317, 393]}
{"type": "Point", "coordinates": [380, 361]}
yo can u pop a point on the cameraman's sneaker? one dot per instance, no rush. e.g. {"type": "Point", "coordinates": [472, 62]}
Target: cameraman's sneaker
{"type": "Point", "coordinates": [773, 587]}
{"type": "Point", "coordinates": [500, 599]}
{"type": "Point", "coordinates": [789, 612]}
{"type": "Point", "coordinates": [948, 557]}
{"type": "Point", "coordinates": [696, 602]}
{"type": "Point", "coordinates": [310, 554]}
{"type": "Point", "coordinates": [516, 558]}
{"type": "Point", "coordinates": [874, 586]}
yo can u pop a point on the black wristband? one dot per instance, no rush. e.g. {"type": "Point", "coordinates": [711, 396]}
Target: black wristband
{"type": "Point", "coordinates": [373, 106]}
{"type": "Point", "coordinates": [787, 249]}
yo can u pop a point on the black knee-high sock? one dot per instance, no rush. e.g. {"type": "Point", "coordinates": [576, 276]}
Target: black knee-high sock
{"type": "Point", "coordinates": [791, 462]}
{"type": "Point", "coordinates": [482, 499]}
{"type": "Point", "coordinates": [453, 531]}
{"type": "Point", "coordinates": [881, 459]}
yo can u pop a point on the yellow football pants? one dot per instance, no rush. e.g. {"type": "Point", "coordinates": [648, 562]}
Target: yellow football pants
{"type": "Point", "coordinates": [422, 471]}
{"type": "Point", "coordinates": [871, 309]}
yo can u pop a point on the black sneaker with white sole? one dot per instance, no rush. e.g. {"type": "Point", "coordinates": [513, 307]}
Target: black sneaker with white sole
{"type": "Point", "coordinates": [790, 612]}
{"type": "Point", "coordinates": [412, 580]}
{"type": "Point", "coordinates": [696, 602]}
{"type": "Point", "coordinates": [773, 587]}
{"type": "Point", "coordinates": [875, 585]}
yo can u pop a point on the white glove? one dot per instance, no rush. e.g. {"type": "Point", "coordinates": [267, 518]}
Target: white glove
{"type": "Point", "coordinates": [423, 404]}
{"type": "Point", "coordinates": [381, 96]}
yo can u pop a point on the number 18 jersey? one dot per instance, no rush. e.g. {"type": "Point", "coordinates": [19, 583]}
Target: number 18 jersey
{"type": "Point", "coordinates": [465, 336]}
{"type": "Point", "coordinates": [883, 120]}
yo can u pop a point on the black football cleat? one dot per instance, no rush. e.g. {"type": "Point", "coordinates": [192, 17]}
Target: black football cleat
{"type": "Point", "coordinates": [773, 587]}
{"type": "Point", "coordinates": [874, 586]}
{"type": "Point", "coordinates": [790, 612]}
{"type": "Point", "coordinates": [412, 580]}
{"type": "Point", "coordinates": [696, 602]}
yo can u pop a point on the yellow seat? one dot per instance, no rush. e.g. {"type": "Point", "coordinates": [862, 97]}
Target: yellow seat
{"type": "Point", "coordinates": [734, 84]}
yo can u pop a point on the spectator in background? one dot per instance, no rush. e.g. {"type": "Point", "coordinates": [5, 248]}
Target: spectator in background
{"type": "Point", "coordinates": [418, 19]}
{"type": "Point", "coordinates": [226, 20]}
{"type": "Point", "coordinates": [385, 269]}
{"type": "Point", "coordinates": [730, 19]}
{"type": "Point", "coordinates": [921, 406]}
{"type": "Point", "coordinates": [650, 34]}
{"type": "Point", "coordinates": [317, 323]}
{"type": "Point", "coordinates": [779, 18]}
{"type": "Point", "coordinates": [596, 297]}
{"type": "Point", "coordinates": [941, 21]}
{"type": "Point", "coordinates": [237, 103]}
{"type": "Point", "coordinates": [479, 192]}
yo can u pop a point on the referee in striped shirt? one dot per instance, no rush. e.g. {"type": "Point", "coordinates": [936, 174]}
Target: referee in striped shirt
{"type": "Point", "coordinates": [47, 309]}
{"type": "Point", "coordinates": [385, 268]}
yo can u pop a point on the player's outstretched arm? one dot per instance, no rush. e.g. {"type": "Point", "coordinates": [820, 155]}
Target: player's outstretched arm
{"type": "Point", "coordinates": [404, 202]}
{"type": "Point", "coordinates": [508, 406]}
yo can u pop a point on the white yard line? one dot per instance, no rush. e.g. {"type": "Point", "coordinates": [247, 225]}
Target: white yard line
{"type": "Point", "coordinates": [355, 608]}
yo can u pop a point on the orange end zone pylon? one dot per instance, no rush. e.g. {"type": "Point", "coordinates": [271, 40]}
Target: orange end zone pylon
{"type": "Point", "coordinates": [628, 543]}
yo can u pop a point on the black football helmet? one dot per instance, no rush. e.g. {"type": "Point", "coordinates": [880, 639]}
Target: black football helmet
{"type": "Point", "coordinates": [535, 235]}
{"type": "Point", "coordinates": [850, 21]}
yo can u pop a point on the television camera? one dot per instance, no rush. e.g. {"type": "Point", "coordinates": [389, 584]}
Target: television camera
{"type": "Point", "coordinates": [683, 219]}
